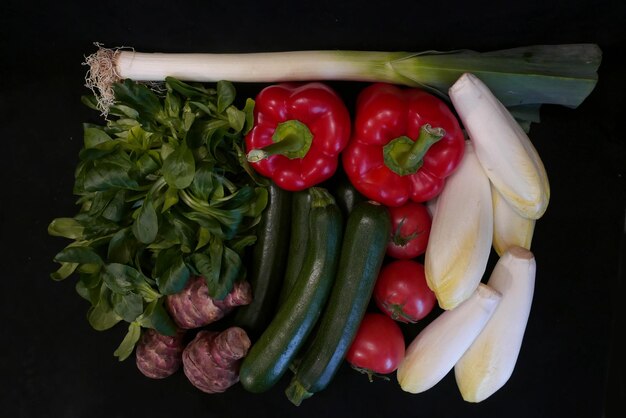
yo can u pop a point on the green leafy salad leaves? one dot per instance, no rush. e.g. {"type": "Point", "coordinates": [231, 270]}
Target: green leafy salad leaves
{"type": "Point", "coordinates": [164, 193]}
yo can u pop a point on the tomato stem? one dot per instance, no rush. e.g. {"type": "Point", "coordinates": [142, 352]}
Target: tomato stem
{"type": "Point", "coordinates": [370, 374]}
{"type": "Point", "coordinates": [402, 240]}
{"type": "Point", "coordinates": [396, 310]}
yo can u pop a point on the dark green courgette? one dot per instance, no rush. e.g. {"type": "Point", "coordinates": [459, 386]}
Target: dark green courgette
{"type": "Point", "coordinates": [299, 238]}
{"type": "Point", "coordinates": [363, 250]}
{"type": "Point", "coordinates": [270, 357]}
{"type": "Point", "coordinates": [346, 195]}
{"type": "Point", "coordinates": [269, 257]}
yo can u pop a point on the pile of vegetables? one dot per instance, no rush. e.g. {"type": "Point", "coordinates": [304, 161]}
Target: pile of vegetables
{"type": "Point", "coordinates": [289, 234]}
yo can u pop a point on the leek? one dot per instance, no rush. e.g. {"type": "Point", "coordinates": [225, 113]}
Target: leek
{"type": "Point", "coordinates": [521, 78]}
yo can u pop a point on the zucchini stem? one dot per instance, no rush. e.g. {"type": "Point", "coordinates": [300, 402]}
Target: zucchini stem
{"type": "Point", "coordinates": [296, 393]}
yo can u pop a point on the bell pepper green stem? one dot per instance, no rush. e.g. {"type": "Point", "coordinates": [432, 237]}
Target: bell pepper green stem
{"type": "Point", "coordinates": [404, 156]}
{"type": "Point", "coordinates": [291, 138]}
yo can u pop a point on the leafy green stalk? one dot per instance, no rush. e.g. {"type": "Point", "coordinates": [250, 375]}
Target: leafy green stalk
{"type": "Point", "coordinates": [538, 74]}
{"type": "Point", "coordinates": [528, 75]}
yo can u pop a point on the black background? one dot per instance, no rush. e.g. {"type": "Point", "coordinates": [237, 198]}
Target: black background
{"type": "Point", "coordinates": [54, 365]}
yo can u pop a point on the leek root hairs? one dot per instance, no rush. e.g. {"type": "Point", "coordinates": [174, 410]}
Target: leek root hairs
{"type": "Point", "coordinates": [101, 76]}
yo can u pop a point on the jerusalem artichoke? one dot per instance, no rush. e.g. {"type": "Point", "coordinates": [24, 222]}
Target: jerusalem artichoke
{"type": "Point", "coordinates": [194, 308]}
{"type": "Point", "coordinates": [211, 361]}
{"type": "Point", "coordinates": [159, 356]}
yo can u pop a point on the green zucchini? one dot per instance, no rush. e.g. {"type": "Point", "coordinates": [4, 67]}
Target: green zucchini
{"type": "Point", "coordinates": [299, 238]}
{"type": "Point", "coordinates": [362, 254]}
{"type": "Point", "coordinates": [345, 193]}
{"type": "Point", "coordinates": [270, 357]}
{"type": "Point", "coordinates": [268, 263]}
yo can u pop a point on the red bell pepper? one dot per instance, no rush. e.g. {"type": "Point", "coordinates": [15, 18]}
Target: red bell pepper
{"type": "Point", "coordinates": [405, 143]}
{"type": "Point", "coordinates": [298, 134]}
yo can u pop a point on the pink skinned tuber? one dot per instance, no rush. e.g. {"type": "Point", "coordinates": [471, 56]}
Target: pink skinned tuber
{"type": "Point", "coordinates": [159, 356]}
{"type": "Point", "coordinates": [194, 308]}
{"type": "Point", "coordinates": [211, 361]}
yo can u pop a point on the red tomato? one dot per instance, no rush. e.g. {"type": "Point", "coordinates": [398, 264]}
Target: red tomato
{"type": "Point", "coordinates": [402, 293]}
{"type": "Point", "coordinates": [410, 229]}
{"type": "Point", "coordinates": [378, 346]}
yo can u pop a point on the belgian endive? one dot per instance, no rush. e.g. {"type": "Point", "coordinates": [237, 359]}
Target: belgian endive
{"type": "Point", "coordinates": [509, 227]}
{"type": "Point", "coordinates": [504, 150]}
{"type": "Point", "coordinates": [489, 362]}
{"type": "Point", "coordinates": [461, 233]}
{"type": "Point", "coordinates": [439, 346]}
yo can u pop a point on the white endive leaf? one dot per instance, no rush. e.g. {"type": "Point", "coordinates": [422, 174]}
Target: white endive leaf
{"type": "Point", "coordinates": [461, 233]}
{"type": "Point", "coordinates": [506, 153]}
{"type": "Point", "coordinates": [489, 362]}
{"type": "Point", "coordinates": [439, 346]}
{"type": "Point", "coordinates": [509, 227]}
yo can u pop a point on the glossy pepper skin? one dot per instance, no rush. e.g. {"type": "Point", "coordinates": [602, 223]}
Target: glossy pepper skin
{"type": "Point", "coordinates": [391, 173]}
{"type": "Point", "coordinates": [298, 134]}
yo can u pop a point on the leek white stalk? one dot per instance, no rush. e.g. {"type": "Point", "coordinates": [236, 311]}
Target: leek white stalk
{"type": "Point", "coordinates": [503, 148]}
{"type": "Point", "coordinates": [439, 346]}
{"type": "Point", "coordinates": [509, 228]}
{"type": "Point", "coordinates": [489, 362]}
{"type": "Point", "coordinates": [558, 74]}
{"type": "Point", "coordinates": [461, 233]}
